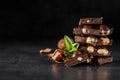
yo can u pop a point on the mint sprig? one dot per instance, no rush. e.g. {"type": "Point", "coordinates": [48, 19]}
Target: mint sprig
{"type": "Point", "coordinates": [70, 46]}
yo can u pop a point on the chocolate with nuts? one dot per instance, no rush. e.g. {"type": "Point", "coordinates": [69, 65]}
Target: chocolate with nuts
{"type": "Point", "coordinates": [81, 58]}
{"type": "Point", "coordinates": [88, 46]}
{"type": "Point", "coordinates": [94, 41]}
{"type": "Point", "coordinates": [87, 30]}
{"type": "Point", "coordinates": [100, 51]}
{"type": "Point", "coordinates": [84, 21]}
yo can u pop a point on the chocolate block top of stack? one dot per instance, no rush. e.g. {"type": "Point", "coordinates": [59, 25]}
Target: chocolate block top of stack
{"type": "Point", "coordinates": [84, 21]}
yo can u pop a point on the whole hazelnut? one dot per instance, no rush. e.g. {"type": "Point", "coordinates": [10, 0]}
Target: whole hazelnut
{"type": "Point", "coordinates": [108, 32]}
{"type": "Point", "coordinates": [90, 49]}
{"type": "Point", "coordinates": [61, 44]}
{"type": "Point", "coordinates": [105, 41]}
{"type": "Point", "coordinates": [84, 30]}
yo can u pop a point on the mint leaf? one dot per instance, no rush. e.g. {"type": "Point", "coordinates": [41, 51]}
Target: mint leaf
{"type": "Point", "coordinates": [76, 45]}
{"type": "Point", "coordinates": [68, 42]}
{"type": "Point", "coordinates": [70, 46]}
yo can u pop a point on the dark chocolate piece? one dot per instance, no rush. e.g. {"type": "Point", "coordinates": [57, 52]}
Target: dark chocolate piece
{"type": "Point", "coordinates": [83, 58]}
{"type": "Point", "coordinates": [84, 21]}
{"type": "Point", "coordinates": [104, 60]}
{"type": "Point", "coordinates": [58, 55]}
{"type": "Point", "coordinates": [91, 31]}
{"type": "Point", "coordinates": [94, 41]}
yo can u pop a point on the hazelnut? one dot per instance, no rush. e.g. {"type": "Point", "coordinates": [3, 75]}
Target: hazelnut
{"type": "Point", "coordinates": [88, 60]}
{"type": "Point", "coordinates": [58, 55]}
{"type": "Point", "coordinates": [88, 21]}
{"type": "Point", "coordinates": [103, 32]}
{"type": "Point", "coordinates": [88, 40]}
{"type": "Point", "coordinates": [90, 49]}
{"type": "Point", "coordinates": [105, 41]}
{"type": "Point", "coordinates": [108, 32]}
{"type": "Point", "coordinates": [79, 58]}
{"type": "Point", "coordinates": [102, 52]}
{"type": "Point", "coordinates": [61, 44]}
{"type": "Point", "coordinates": [84, 30]}
{"type": "Point", "coordinates": [91, 40]}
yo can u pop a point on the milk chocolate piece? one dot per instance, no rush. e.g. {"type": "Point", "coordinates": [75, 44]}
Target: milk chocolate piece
{"type": "Point", "coordinates": [84, 21]}
{"type": "Point", "coordinates": [58, 55]}
{"type": "Point", "coordinates": [82, 58]}
{"type": "Point", "coordinates": [102, 41]}
{"type": "Point", "coordinates": [104, 60]}
{"type": "Point", "coordinates": [96, 32]}
{"type": "Point", "coordinates": [100, 51]}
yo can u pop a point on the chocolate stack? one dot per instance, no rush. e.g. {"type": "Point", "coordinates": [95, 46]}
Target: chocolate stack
{"type": "Point", "coordinates": [93, 38]}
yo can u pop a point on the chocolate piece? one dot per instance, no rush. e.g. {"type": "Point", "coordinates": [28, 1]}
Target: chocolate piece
{"type": "Point", "coordinates": [76, 54]}
{"type": "Point", "coordinates": [84, 21]}
{"type": "Point", "coordinates": [58, 55]}
{"type": "Point", "coordinates": [101, 51]}
{"type": "Point", "coordinates": [96, 32]}
{"type": "Point", "coordinates": [46, 50]}
{"type": "Point", "coordinates": [77, 60]}
{"type": "Point", "coordinates": [104, 60]}
{"type": "Point", "coordinates": [94, 41]}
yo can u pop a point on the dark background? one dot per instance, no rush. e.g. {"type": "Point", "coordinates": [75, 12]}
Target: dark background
{"type": "Point", "coordinates": [46, 19]}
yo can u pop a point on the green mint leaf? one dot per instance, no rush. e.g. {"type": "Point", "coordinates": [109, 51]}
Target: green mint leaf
{"type": "Point", "coordinates": [68, 42]}
{"type": "Point", "coordinates": [67, 53]}
{"type": "Point", "coordinates": [76, 45]}
{"type": "Point", "coordinates": [73, 50]}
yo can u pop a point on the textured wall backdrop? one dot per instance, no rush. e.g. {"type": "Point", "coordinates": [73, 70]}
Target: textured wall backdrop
{"type": "Point", "coordinates": [38, 19]}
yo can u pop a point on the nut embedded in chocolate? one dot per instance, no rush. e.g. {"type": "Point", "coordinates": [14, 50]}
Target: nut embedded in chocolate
{"type": "Point", "coordinates": [90, 49]}
{"type": "Point", "coordinates": [105, 41]}
{"type": "Point", "coordinates": [103, 51]}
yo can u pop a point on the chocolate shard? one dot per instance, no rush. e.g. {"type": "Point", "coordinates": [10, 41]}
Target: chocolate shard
{"type": "Point", "coordinates": [91, 31]}
{"type": "Point", "coordinates": [84, 21]}
{"type": "Point", "coordinates": [82, 58]}
{"type": "Point", "coordinates": [95, 51]}
{"type": "Point", "coordinates": [102, 41]}
{"type": "Point", "coordinates": [104, 60]}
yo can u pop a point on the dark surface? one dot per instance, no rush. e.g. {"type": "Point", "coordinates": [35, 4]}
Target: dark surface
{"type": "Point", "coordinates": [22, 61]}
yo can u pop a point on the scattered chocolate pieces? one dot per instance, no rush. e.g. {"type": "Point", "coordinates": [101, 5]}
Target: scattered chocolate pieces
{"type": "Point", "coordinates": [88, 46]}
{"type": "Point", "coordinates": [104, 60]}
{"type": "Point", "coordinates": [47, 50]}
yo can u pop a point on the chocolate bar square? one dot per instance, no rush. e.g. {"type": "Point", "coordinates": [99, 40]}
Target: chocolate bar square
{"type": "Point", "coordinates": [84, 21]}
{"type": "Point", "coordinates": [104, 60]}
